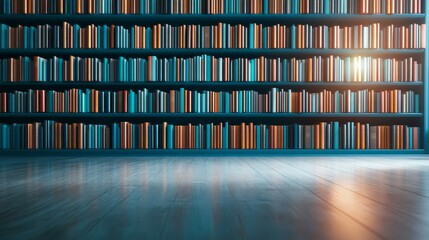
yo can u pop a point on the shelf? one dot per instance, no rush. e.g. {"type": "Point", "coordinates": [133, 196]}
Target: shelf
{"type": "Point", "coordinates": [233, 52]}
{"type": "Point", "coordinates": [199, 152]}
{"type": "Point", "coordinates": [209, 115]}
{"type": "Point", "coordinates": [198, 84]}
{"type": "Point", "coordinates": [145, 19]}
{"type": "Point", "coordinates": [214, 86]}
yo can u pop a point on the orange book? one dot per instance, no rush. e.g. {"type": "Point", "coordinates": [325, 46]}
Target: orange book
{"type": "Point", "coordinates": [322, 135]}
{"type": "Point", "coordinates": [316, 136]}
{"type": "Point", "coordinates": [252, 136]}
{"type": "Point", "coordinates": [415, 138]}
{"type": "Point", "coordinates": [243, 135]}
{"type": "Point", "coordinates": [111, 36]}
{"type": "Point", "coordinates": [358, 135]}
{"type": "Point", "coordinates": [79, 6]}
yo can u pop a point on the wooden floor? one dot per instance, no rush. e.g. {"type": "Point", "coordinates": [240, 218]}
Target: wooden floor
{"type": "Point", "coordinates": [302, 197]}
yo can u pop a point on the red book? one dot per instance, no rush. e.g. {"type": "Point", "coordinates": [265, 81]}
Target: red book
{"type": "Point", "coordinates": [42, 101]}
{"type": "Point", "coordinates": [125, 101]}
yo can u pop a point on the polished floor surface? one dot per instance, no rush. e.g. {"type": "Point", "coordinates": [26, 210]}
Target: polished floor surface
{"type": "Point", "coordinates": [290, 197]}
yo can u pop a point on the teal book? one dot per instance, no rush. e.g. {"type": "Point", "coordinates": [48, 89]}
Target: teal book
{"type": "Point", "coordinates": [4, 136]}
{"type": "Point", "coordinates": [3, 34]}
{"type": "Point", "coordinates": [182, 100]}
{"type": "Point", "coordinates": [326, 7]}
{"type": "Point", "coordinates": [132, 37]}
{"type": "Point", "coordinates": [131, 101]}
{"type": "Point", "coordinates": [148, 38]}
{"type": "Point", "coordinates": [173, 70]}
{"type": "Point", "coordinates": [25, 37]}
{"type": "Point", "coordinates": [227, 102]}
{"type": "Point", "coordinates": [286, 70]}
{"type": "Point", "coordinates": [143, 72]}
{"type": "Point", "coordinates": [76, 29]}
{"type": "Point", "coordinates": [296, 136]}
{"type": "Point", "coordinates": [60, 70]}
{"type": "Point", "coordinates": [224, 33]}
{"type": "Point", "coordinates": [258, 137]}
{"type": "Point", "coordinates": [105, 37]}
{"type": "Point", "coordinates": [65, 135]}
{"type": "Point", "coordinates": [31, 39]}
{"type": "Point", "coordinates": [50, 101]}
{"type": "Point", "coordinates": [266, 6]}
{"type": "Point", "coordinates": [154, 76]}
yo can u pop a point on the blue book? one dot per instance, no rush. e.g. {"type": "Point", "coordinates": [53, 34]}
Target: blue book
{"type": "Point", "coordinates": [25, 37]}
{"type": "Point", "coordinates": [197, 137]}
{"type": "Point", "coordinates": [132, 45]}
{"type": "Point", "coordinates": [225, 136]}
{"type": "Point", "coordinates": [170, 136]}
{"type": "Point", "coordinates": [115, 136]}
{"type": "Point", "coordinates": [208, 136]}
{"type": "Point", "coordinates": [266, 6]}
{"type": "Point", "coordinates": [148, 37]}
{"type": "Point", "coordinates": [76, 29]}
{"type": "Point", "coordinates": [296, 136]}
{"type": "Point", "coordinates": [258, 137]}
{"type": "Point", "coordinates": [3, 135]}
{"type": "Point", "coordinates": [31, 39]}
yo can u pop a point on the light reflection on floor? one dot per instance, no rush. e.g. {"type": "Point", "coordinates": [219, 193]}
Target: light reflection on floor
{"type": "Point", "coordinates": [301, 197]}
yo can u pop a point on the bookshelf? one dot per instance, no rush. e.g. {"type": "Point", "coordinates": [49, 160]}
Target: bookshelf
{"type": "Point", "coordinates": [413, 119]}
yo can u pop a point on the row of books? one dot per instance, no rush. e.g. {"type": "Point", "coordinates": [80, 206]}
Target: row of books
{"type": "Point", "coordinates": [210, 6]}
{"type": "Point", "coordinates": [207, 68]}
{"type": "Point", "coordinates": [125, 135]}
{"type": "Point", "coordinates": [222, 35]}
{"type": "Point", "coordinates": [185, 101]}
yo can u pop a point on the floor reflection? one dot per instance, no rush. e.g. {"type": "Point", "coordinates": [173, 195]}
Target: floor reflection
{"type": "Point", "coordinates": [328, 197]}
